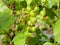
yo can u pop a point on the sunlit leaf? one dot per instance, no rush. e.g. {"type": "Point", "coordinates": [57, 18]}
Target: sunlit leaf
{"type": "Point", "coordinates": [57, 31]}
{"type": "Point", "coordinates": [52, 2]}
{"type": "Point", "coordinates": [19, 39]}
{"type": "Point", "coordinates": [28, 2]}
{"type": "Point", "coordinates": [47, 43]}
{"type": "Point", "coordinates": [6, 17]}
{"type": "Point", "coordinates": [6, 21]}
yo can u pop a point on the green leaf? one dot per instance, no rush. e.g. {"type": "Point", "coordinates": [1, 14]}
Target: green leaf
{"type": "Point", "coordinates": [49, 3]}
{"type": "Point", "coordinates": [20, 5]}
{"type": "Point", "coordinates": [6, 18]}
{"type": "Point", "coordinates": [47, 43]}
{"type": "Point", "coordinates": [19, 0]}
{"type": "Point", "coordinates": [33, 41]}
{"type": "Point", "coordinates": [6, 21]}
{"type": "Point", "coordinates": [19, 39]}
{"type": "Point", "coordinates": [28, 2]}
{"type": "Point", "coordinates": [1, 2]}
{"type": "Point", "coordinates": [57, 31]}
{"type": "Point", "coordinates": [52, 2]}
{"type": "Point", "coordinates": [11, 1]}
{"type": "Point", "coordinates": [50, 13]}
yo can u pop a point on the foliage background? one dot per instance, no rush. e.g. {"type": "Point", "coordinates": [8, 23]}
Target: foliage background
{"type": "Point", "coordinates": [29, 22]}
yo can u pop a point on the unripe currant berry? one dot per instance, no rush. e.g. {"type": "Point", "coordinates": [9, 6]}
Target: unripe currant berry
{"type": "Point", "coordinates": [28, 8]}
{"type": "Point", "coordinates": [29, 22]}
{"type": "Point", "coordinates": [33, 29]}
{"type": "Point", "coordinates": [32, 19]}
{"type": "Point", "coordinates": [32, 13]}
{"type": "Point", "coordinates": [36, 8]}
{"type": "Point", "coordinates": [43, 12]}
{"type": "Point", "coordinates": [29, 34]}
